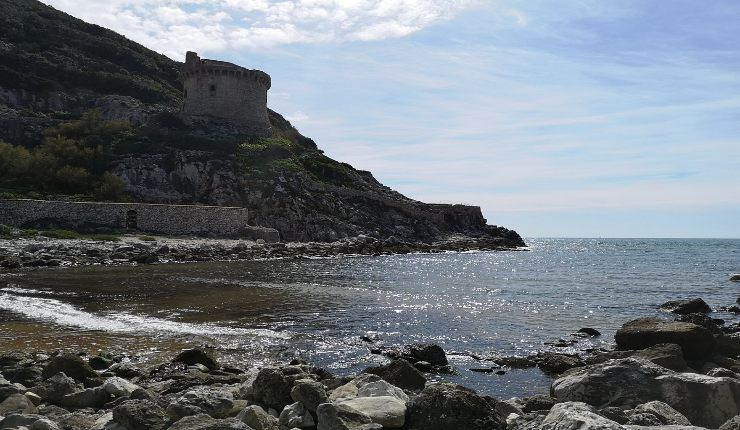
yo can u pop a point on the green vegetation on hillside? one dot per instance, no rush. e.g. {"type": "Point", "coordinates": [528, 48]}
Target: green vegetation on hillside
{"type": "Point", "coordinates": [73, 159]}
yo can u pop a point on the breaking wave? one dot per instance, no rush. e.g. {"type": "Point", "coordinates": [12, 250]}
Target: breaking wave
{"type": "Point", "coordinates": [60, 313]}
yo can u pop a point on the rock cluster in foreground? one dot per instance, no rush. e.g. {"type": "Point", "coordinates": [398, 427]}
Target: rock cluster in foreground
{"type": "Point", "coordinates": [645, 383]}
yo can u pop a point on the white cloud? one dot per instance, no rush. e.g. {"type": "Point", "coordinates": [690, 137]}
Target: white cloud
{"type": "Point", "coordinates": [175, 26]}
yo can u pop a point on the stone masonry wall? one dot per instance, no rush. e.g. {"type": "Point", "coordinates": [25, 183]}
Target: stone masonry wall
{"type": "Point", "coordinates": [149, 218]}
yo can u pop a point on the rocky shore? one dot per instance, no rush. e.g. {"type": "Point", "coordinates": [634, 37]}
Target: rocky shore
{"type": "Point", "coordinates": [41, 251]}
{"type": "Point", "coordinates": [679, 372]}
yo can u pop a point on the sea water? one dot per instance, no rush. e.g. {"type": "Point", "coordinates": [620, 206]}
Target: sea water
{"type": "Point", "coordinates": [485, 304]}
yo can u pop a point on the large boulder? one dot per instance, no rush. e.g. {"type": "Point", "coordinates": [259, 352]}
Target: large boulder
{"type": "Point", "coordinates": [272, 388]}
{"type": "Point", "coordinates": [309, 392]}
{"type": "Point", "coordinates": [445, 406]}
{"type": "Point", "coordinates": [338, 417]}
{"type": "Point", "coordinates": [55, 387]}
{"type": "Point", "coordinates": [696, 342]}
{"type": "Point", "coordinates": [683, 307]}
{"type": "Point", "coordinates": [119, 387]}
{"type": "Point", "coordinates": [296, 416]}
{"type": "Point", "coordinates": [88, 398]}
{"type": "Point", "coordinates": [704, 400]}
{"type": "Point", "coordinates": [213, 401]}
{"type": "Point", "coordinates": [71, 365]}
{"type": "Point", "coordinates": [17, 403]}
{"type": "Point", "coordinates": [140, 415]}
{"type": "Point", "coordinates": [576, 416]}
{"type": "Point", "coordinates": [735, 278]}
{"type": "Point", "coordinates": [429, 352]}
{"type": "Point", "coordinates": [256, 418]}
{"type": "Point", "coordinates": [387, 411]}
{"type": "Point", "coordinates": [205, 422]}
{"type": "Point", "coordinates": [663, 412]}
{"type": "Point", "coordinates": [555, 364]}
{"type": "Point", "coordinates": [196, 356]}
{"type": "Point", "coordinates": [401, 374]}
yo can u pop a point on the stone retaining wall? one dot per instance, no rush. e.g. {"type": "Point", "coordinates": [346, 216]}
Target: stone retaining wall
{"type": "Point", "coordinates": [146, 218]}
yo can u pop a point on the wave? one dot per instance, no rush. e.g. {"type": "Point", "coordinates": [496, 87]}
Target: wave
{"type": "Point", "coordinates": [64, 314]}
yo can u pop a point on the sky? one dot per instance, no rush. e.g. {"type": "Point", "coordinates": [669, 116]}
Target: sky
{"type": "Point", "coordinates": [569, 118]}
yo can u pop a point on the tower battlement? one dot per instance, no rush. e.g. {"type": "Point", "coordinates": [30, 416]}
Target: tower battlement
{"type": "Point", "coordinates": [226, 92]}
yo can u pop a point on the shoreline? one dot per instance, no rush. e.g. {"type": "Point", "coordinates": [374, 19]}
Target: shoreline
{"type": "Point", "coordinates": [39, 251]}
{"type": "Point", "coordinates": [681, 372]}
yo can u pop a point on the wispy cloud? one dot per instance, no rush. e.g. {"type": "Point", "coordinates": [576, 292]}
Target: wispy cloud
{"type": "Point", "coordinates": [174, 26]}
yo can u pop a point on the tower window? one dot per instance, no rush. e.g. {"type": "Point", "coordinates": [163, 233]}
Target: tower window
{"type": "Point", "coordinates": [212, 89]}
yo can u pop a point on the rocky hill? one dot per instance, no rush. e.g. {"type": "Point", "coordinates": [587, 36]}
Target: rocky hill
{"type": "Point", "coordinates": [80, 101]}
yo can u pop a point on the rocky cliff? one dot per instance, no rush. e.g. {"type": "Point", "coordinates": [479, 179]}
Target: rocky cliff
{"type": "Point", "coordinates": [54, 67]}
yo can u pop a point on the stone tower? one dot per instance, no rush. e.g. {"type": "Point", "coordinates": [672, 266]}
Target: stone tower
{"type": "Point", "coordinates": [226, 92]}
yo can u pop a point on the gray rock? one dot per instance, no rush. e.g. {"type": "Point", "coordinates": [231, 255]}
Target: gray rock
{"type": "Point", "coordinates": [272, 388]}
{"type": "Point", "coordinates": [401, 374]}
{"type": "Point", "coordinates": [119, 387]}
{"type": "Point", "coordinates": [337, 417]}
{"type": "Point", "coordinates": [213, 401]}
{"type": "Point", "coordinates": [366, 387]}
{"type": "Point", "coordinates": [33, 397]}
{"type": "Point", "coordinates": [731, 424]}
{"type": "Point", "coordinates": [388, 411]}
{"type": "Point", "coordinates": [538, 403]}
{"type": "Point", "coordinates": [429, 352]}
{"type": "Point", "coordinates": [643, 419]}
{"type": "Point", "coordinates": [695, 341]}
{"type": "Point", "coordinates": [735, 278]}
{"type": "Point", "coordinates": [196, 356]}
{"type": "Point", "coordinates": [89, 398]}
{"type": "Point", "coordinates": [17, 403]}
{"type": "Point", "coordinates": [15, 420]}
{"type": "Point", "coordinates": [576, 416]}
{"type": "Point", "coordinates": [555, 364]}
{"type": "Point", "coordinates": [69, 364]}
{"type": "Point", "coordinates": [44, 424]}
{"type": "Point", "coordinates": [256, 417]}
{"type": "Point", "coordinates": [668, 355]}
{"type": "Point", "coordinates": [445, 406]}
{"type": "Point", "coordinates": [296, 415]}
{"type": "Point", "coordinates": [683, 307]}
{"type": "Point", "coordinates": [664, 413]}
{"type": "Point", "coordinates": [704, 400]}
{"type": "Point", "coordinates": [140, 415]}
{"type": "Point", "coordinates": [309, 392]}
{"type": "Point", "coordinates": [205, 422]}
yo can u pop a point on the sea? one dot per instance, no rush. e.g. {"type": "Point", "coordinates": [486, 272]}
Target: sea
{"type": "Point", "coordinates": [482, 304]}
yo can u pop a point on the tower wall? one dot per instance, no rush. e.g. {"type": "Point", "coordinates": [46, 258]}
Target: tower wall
{"type": "Point", "coordinates": [226, 92]}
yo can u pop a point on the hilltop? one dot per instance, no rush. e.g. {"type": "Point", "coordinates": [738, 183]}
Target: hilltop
{"type": "Point", "coordinates": [87, 114]}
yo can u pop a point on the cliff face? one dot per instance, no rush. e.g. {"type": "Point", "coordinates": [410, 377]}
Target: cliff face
{"type": "Point", "coordinates": [54, 67]}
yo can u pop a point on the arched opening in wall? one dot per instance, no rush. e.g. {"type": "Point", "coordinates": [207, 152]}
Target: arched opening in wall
{"type": "Point", "coordinates": [131, 220]}
{"type": "Point", "coordinates": [212, 90]}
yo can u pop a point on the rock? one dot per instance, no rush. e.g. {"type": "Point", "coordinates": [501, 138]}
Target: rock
{"type": "Point", "coordinates": [17, 403]}
{"type": "Point", "coordinates": [538, 403]}
{"type": "Point", "coordinates": [89, 398]}
{"type": "Point", "coordinates": [401, 374]}
{"type": "Point", "coordinates": [196, 356]}
{"type": "Point", "coordinates": [696, 342]}
{"type": "Point", "coordinates": [614, 413]}
{"type": "Point", "coordinates": [731, 424]}
{"type": "Point", "coordinates": [71, 365]}
{"type": "Point", "coordinates": [668, 355]}
{"type": "Point", "coordinates": [589, 331]}
{"type": "Point", "coordinates": [387, 411]}
{"type": "Point", "coordinates": [373, 386]}
{"type": "Point", "coordinates": [643, 419]}
{"type": "Point", "coordinates": [99, 363]}
{"type": "Point", "coordinates": [429, 352]}
{"type": "Point", "coordinates": [424, 366]}
{"type": "Point", "coordinates": [337, 417]}
{"type": "Point", "coordinates": [140, 415]}
{"type": "Point", "coordinates": [664, 413]}
{"type": "Point", "coordinates": [702, 320]}
{"type": "Point", "coordinates": [559, 363]}
{"type": "Point", "coordinates": [721, 372]}
{"type": "Point", "coordinates": [18, 420]}
{"type": "Point", "coordinates": [444, 406]}
{"type": "Point", "coordinates": [33, 397]}
{"type": "Point", "coordinates": [256, 418]}
{"type": "Point", "coordinates": [309, 392]}
{"type": "Point", "coordinates": [125, 370]}
{"type": "Point", "coordinates": [205, 422]}
{"type": "Point", "coordinates": [577, 416]}
{"type": "Point", "coordinates": [296, 415]}
{"type": "Point", "coordinates": [55, 387]}
{"type": "Point", "coordinates": [213, 401]}
{"type": "Point", "coordinates": [272, 388]}
{"type": "Point", "coordinates": [119, 387]}
{"type": "Point", "coordinates": [628, 382]}
{"type": "Point", "coordinates": [683, 307]}
{"type": "Point", "coordinates": [735, 278]}
{"type": "Point", "coordinates": [44, 424]}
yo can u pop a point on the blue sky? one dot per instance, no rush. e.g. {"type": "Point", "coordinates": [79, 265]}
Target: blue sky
{"type": "Point", "coordinates": [559, 118]}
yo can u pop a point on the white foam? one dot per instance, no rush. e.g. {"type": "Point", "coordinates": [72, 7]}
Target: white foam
{"type": "Point", "coordinates": [60, 313]}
